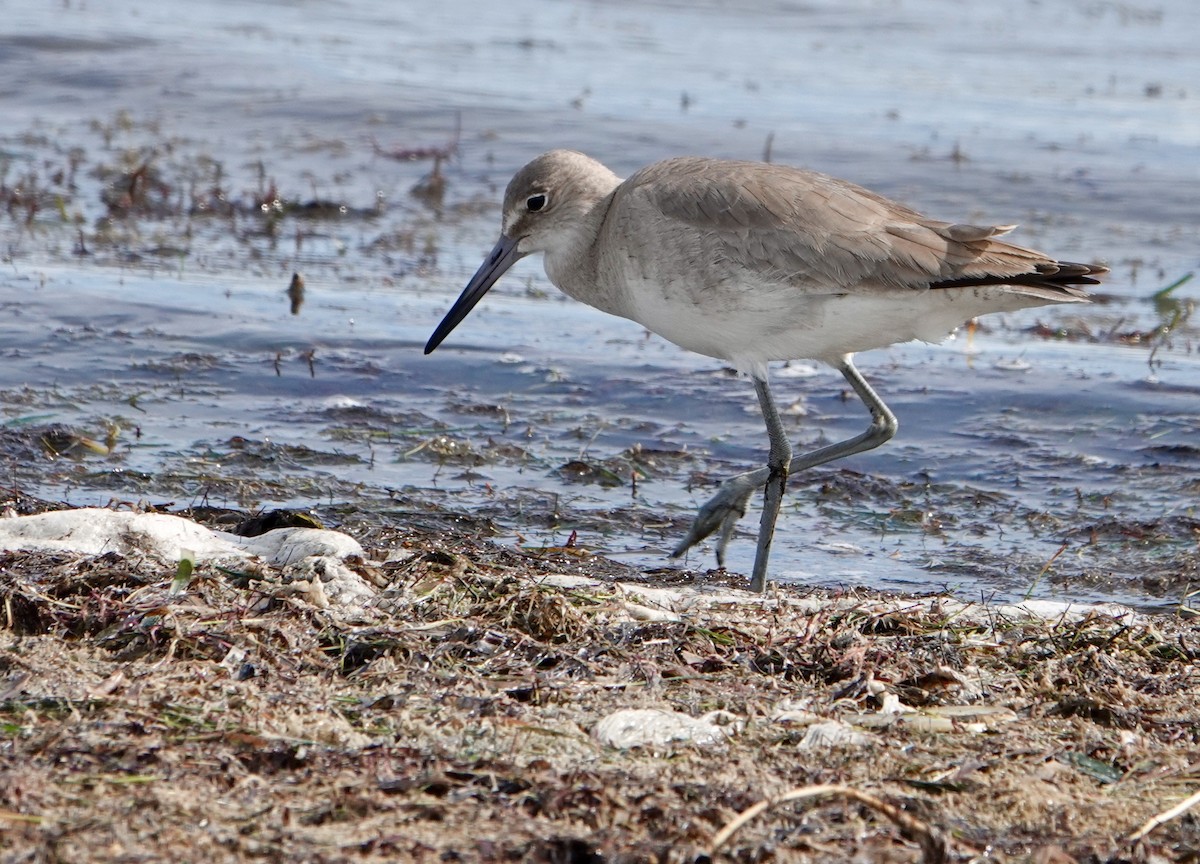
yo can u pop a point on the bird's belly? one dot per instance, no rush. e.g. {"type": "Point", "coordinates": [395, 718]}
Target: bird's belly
{"type": "Point", "coordinates": [751, 328]}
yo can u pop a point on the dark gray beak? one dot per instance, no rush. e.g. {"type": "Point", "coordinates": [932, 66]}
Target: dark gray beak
{"type": "Point", "coordinates": [503, 256]}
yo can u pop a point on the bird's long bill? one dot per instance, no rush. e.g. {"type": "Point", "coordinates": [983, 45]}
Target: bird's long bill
{"type": "Point", "coordinates": [502, 256]}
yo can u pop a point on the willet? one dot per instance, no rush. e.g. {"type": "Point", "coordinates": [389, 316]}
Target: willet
{"type": "Point", "coordinates": [752, 262]}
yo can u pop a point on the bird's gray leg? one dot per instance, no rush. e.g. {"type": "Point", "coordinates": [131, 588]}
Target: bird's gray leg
{"type": "Point", "coordinates": [729, 504]}
{"type": "Point", "coordinates": [778, 461]}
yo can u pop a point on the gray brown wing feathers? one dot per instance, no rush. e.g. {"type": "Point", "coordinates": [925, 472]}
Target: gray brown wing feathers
{"type": "Point", "coordinates": [816, 231]}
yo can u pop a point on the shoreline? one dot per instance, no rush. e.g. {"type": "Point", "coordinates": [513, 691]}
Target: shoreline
{"type": "Point", "coordinates": [459, 712]}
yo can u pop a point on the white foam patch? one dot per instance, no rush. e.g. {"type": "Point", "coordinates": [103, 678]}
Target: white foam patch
{"type": "Point", "coordinates": [797, 370]}
{"type": "Point", "coordinates": [678, 603]}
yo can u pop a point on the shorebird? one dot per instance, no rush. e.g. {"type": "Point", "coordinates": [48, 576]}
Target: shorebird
{"type": "Point", "coordinates": [751, 262]}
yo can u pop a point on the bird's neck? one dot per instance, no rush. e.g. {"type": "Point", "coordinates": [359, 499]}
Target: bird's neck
{"type": "Point", "coordinates": [573, 262]}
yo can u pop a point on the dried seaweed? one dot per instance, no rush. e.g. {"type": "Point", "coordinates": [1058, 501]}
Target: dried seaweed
{"type": "Point", "coordinates": [451, 721]}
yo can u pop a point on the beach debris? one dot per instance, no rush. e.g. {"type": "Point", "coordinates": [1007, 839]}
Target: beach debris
{"type": "Point", "coordinates": [313, 559]}
{"type": "Point", "coordinates": [659, 727]}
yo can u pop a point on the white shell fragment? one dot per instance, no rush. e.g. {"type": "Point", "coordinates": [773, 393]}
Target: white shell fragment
{"type": "Point", "coordinates": [658, 727]}
{"type": "Point", "coordinates": [833, 733]}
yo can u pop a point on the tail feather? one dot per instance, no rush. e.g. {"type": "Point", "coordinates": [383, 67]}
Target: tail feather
{"type": "Point", "coordinates": [1057, 276]}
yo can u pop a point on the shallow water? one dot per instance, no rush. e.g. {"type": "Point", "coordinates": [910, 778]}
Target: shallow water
{"type": "Point", "coordinates": [1052, 451]}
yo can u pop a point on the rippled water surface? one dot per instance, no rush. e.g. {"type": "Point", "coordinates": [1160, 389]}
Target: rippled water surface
{"type": "Point", "coordinates": [168, 166]}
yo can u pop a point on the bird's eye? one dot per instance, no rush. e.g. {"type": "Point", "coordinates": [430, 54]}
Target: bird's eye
{"type": "Point", "coordinates": [535, 202]}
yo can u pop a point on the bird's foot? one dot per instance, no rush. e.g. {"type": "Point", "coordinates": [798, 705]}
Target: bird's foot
{"type": "Point", "coordinates": [721, 513]}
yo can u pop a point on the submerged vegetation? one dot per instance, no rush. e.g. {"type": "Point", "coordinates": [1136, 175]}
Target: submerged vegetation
{"type": "Point", "coordinates": [531, 452]}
